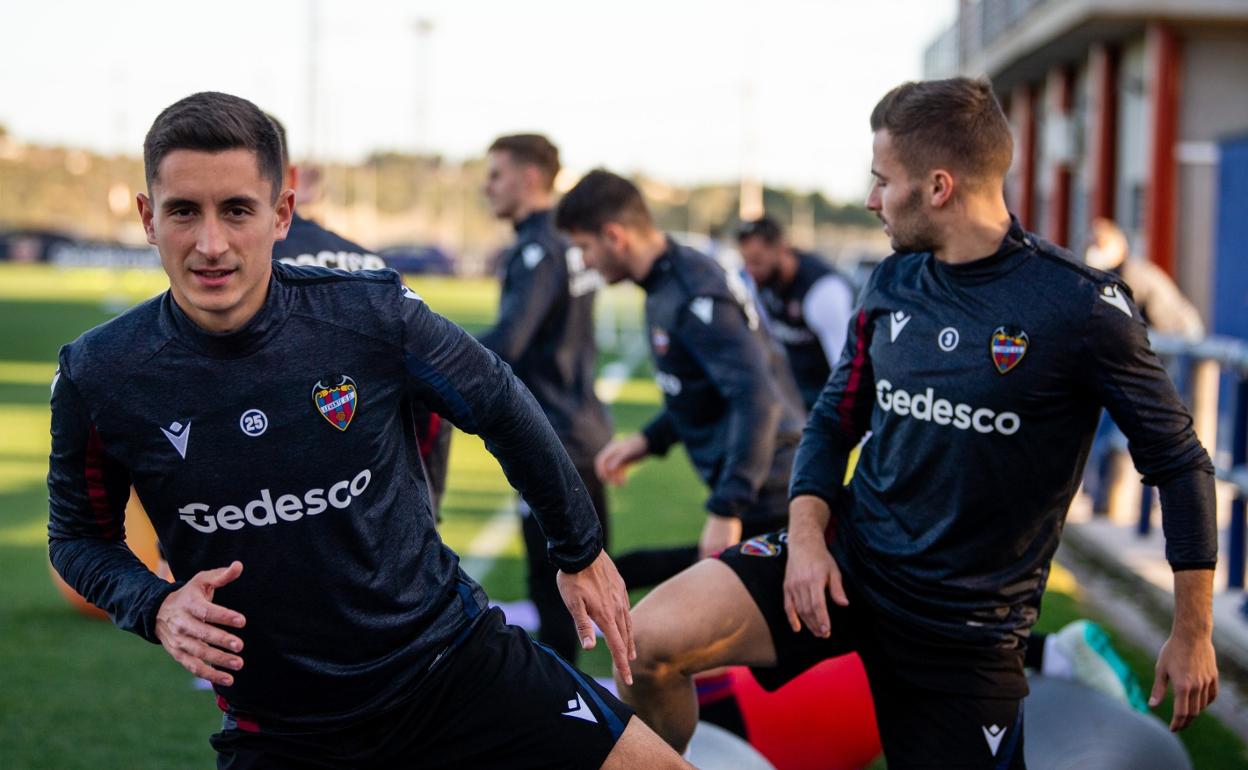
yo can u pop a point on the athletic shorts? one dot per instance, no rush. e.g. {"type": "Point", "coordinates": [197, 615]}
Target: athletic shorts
{"type": "Point", "coordinates": [499, 700]}
{"type": "Point", "coordinates": [937, 704]}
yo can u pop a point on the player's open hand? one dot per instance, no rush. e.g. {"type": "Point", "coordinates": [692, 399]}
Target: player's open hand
{"type": "Point", "coordinates": [598, 593]}
{"type": "Point", "coordinates": [810, 577]}
{"type": "Point", "coordinates": [1187, 662]}
{"type": "Point", "coordinates": [187, 626]}
{"type": "Point", "coordinates": [613, 460]}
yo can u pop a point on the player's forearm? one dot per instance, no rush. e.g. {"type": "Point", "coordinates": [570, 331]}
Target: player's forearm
{"type": "Point", "coordinates": [109, 575]}
{"type": "Point", "coordinates": [808, 518]}
{"type": "Point", "coordinates": [820, 464]}
{"type": "Point", "coordinates": [1189, 519]}
{"type": "Point", "coordinates": [1193, 603]}
{"type": "Point", "coordinates": [537, 465]}
{"type": "Point", "coordinates": [751, 446]}
{"type": "Point", "coordinates": [660, 434]}
{"type": "Point", "coordinates": [482, 396]}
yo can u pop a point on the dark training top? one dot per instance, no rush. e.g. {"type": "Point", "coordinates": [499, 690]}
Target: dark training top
{"type": "Point", "coordinates": [545, 330]}
{"type": "Point", "coordinates": [981, 385]}
{"type": "Point", "coordinates": [810, 317]}
{"type": "Point", "coordinates": [307, 243]}
{"type": "Point", "coordinates": [728, 394]}
{"type": "Point", "coordinates": [287, 446]}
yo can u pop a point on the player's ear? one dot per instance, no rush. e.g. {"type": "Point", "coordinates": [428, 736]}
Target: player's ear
{"type": "Point", "coordinates": [614, 235]}
{"type": "Point", "coordinates": [940, 187]}
{"type": "Point", "coordinates": [147, 214]}
{"type": "Point", "coordinates": [534, 178]}
{"type": "Point", "coordinates": [285, 210]}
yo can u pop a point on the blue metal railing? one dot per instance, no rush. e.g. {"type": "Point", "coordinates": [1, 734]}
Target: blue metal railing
{"type": "Point", "coordinates": [1231, 356]}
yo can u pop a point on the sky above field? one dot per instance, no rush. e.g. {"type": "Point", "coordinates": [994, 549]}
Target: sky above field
{"type": "Point", "coordinates": [683, 90]}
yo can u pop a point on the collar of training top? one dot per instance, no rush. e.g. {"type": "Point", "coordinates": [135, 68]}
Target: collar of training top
{"type": "Point", "coordinates": [538, 220]}
{"type": "Point", "coordinates": [661, 267]}
{"type": "Point", "coordinates": [1016, 247]}
{"type": "Point", "coordinates": [234, 344]}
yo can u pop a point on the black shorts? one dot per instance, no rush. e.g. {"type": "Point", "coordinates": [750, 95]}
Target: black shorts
{"type": "Point", "coordinates": [500, 700]}
{"type": "Point", "coordinates": [938, 704]}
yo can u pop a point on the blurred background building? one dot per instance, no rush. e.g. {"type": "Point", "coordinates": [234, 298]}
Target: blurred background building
{"type": "Point", "coordinates": [1133, 110]}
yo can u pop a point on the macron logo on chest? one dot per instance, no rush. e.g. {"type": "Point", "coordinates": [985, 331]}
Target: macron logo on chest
{"type": "Point", "coordinates": [532, 255]}
{"type": "Point", "coordinates": [177, 433]}
{"type": "Point", "coordinates": [702, 308]}
{"type": "Point", "coordinates": [1110, 295]}
{"type": "Point", "coordinates": [897, 322]}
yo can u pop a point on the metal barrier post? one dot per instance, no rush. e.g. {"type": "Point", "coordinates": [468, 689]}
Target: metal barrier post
{"type": "Point", "coordinates": [1239, 519]}
{"type": "Point", "coordinates": [1145, 524]}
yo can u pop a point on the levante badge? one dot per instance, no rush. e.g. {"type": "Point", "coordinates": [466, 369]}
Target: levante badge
{"type": "Point", "coordinates": [1008, 348]}
{"type": "Point", "coordinates": [336, 403]}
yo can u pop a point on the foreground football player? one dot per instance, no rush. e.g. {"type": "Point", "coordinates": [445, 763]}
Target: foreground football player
{"type": "Point", "coordinates": [979, 362]}
{"type": "Point", "coordinates": [260, 411]}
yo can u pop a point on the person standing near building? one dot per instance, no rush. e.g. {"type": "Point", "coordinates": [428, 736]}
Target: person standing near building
{"type": "Point", "coordinates": [545, 331]}
{"type": "Point", "coordinates": [1160, 302]}
{"type": "Point", "coordinates": [807, 302]}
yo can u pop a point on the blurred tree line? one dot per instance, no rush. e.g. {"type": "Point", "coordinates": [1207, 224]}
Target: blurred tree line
{"type": "Point", "coordinates": [387, 199]}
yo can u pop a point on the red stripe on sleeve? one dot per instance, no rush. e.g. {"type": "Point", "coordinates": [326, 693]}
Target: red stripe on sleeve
{"type": "Point", "coordinates": [97, 491]}
{"type": "Point", "coordinates": [846, 407]}
{"type": "Point", "coordinates": [430, 436]}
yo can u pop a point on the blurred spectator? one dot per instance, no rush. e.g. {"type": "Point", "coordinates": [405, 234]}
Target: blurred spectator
{"type": "Point", "coordinates": [1164, 307]}
{"type": "Point", "coordinates": [807, 304]}
{"type": "Point", "coordinates": [308, 243]}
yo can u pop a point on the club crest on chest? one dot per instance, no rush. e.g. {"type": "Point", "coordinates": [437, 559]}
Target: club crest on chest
{"type": "Point", "coordinates": [660, 341]}
{"type": "Point", "coordinates": [1008, 346]}
{"type": "Point", "coordinates": [337, 403]}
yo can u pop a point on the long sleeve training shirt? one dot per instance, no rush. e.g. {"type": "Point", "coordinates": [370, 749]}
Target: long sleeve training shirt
{"type": "Point", "coordinates": [728, 394]}
{"type": "Point", "coordinates": [545, 330]}
{"type": "Point", "coordinates": [288, 446]}
{"type": "Point", "coordinates": [981, 385]}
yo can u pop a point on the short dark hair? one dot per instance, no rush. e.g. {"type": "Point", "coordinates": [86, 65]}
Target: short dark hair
{"type": "Point", "coordinates": [764, 227]}
{"type": "Point", "coordinates": [281, 135]}
{"type": "Point", "coordinates": [533, 150]}
{"type": "Point", "coordinates": [956, 123]}
{"type": "Point", "coordinates": [214, 122]}
{"type": "Point", "coordinates": [601, 197]}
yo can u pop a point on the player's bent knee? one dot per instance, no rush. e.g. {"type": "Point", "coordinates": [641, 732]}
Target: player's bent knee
{"type": "Point", "coordinates": [653, 671]}
{"type": "Point", "coordinates": [661, 648]}
{"type": "Point", "coordinates": [702, 618]}
{"type": "Point", "coordinates": [639, 746]}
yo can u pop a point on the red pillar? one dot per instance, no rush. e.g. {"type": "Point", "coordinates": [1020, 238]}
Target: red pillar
{"type": "Point", "coordinates": [1060, 95]}
{"type": "Point", "coordinates": [1103, 130]}
{"type": "Point", "coordinates": [1023, 109]}
{"type": "Point", "coordinates": [1164, 62]}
